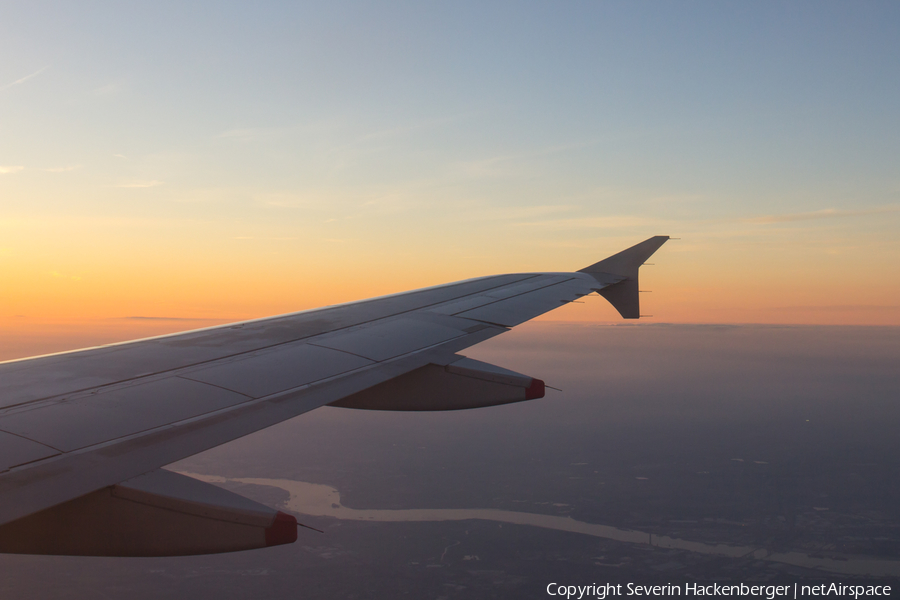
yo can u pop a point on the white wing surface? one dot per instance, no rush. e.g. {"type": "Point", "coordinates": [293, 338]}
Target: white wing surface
{"type": "Point", "coordinates": [84, 434]}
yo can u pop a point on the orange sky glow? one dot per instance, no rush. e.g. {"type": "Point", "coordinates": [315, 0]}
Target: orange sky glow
{"type": "Point", "coordinates": [148, 189]}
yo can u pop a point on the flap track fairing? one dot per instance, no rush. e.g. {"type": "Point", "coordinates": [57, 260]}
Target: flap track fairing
{"type": "Point", "coordinates": [464, 383]}
{"type": "Point", "coordinates": [161, 513]}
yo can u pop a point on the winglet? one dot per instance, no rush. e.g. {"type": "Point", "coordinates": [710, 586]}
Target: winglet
{"type": "Point", "coordinates": [620, 274]}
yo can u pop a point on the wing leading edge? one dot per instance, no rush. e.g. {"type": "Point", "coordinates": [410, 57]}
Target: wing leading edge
{"type": "Point", "coordinates": [78, 428]}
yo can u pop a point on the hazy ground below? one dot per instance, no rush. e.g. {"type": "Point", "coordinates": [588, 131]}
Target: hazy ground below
{"type": "Point", "coordinates": [780, 439]}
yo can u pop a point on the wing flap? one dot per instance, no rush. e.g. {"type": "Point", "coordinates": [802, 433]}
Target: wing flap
{"type": "Point", "coordinates": [278, 369]}
{"type": "Point", "coordinates": [93, 418]}
{"type": "Point", "coordinates": [513, 311]}
{"type": "Point", "coordinates": [535, 282]}
{"type": "Point", "coordinates": [16, 450]}
{"type": "Point", "coordinates": [390, 338]}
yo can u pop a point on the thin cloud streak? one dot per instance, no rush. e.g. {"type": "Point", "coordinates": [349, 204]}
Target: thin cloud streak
{"type": "Point", "coordinates": [24, 79]}
{"type": "Point", "coordinates": [415, 126]}
{"type": "Point", "coordinates": [8, 169]}
{"type": "Point", "coordinates": [138, 184]}
{"type": "Point", "coordinates": [500, 165]}
{"type": "Point", "coordinates": [838, 307]}
{"type": "Point", "coordinates": [154, 318]}
{"type": "Point", "coordinates": [513, 213]}
{"type": "Point", "coordinates": [827, 213]}
{"type": "Point", "coordinates": [247, 134]}
{"type": "Point", "coordinates": [59, 275]}
{"type": "Point", "coordinates": [106, 90]}
{"type": "Point", "coordinates": [611, 222]}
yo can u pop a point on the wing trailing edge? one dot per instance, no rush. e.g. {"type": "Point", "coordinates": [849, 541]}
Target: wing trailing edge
{"type": "Point", "coordinates": [619, 273]}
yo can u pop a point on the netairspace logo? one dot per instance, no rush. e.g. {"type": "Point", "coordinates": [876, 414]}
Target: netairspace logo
{"type": "Point", "coordinates": [769, 592]}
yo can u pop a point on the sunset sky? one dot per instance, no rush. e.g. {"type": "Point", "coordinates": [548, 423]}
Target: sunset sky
{"type": "Point", "coordinates": [229, 160]}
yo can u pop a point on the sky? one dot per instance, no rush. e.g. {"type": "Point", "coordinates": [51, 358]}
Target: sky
{"type": "Point", "coordinates": [193, 164]}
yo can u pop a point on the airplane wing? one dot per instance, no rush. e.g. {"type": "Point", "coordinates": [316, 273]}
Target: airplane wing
{"type": "Point", "coordinates": [84, 435]}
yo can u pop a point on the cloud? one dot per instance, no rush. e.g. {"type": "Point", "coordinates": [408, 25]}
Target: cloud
{"type": "Point", "coordinates": [512, 164]}
{"type": "Point", "coordinates": [59, 275]}
{"type": "Point", "coordinates": [287, 200]}
{"type": "Point", "coordinates": [519, 213]}
{"type": "Point", "coordinates": [6, 170]}
{"type": "Point", "coordinates": [610, 222]}
{"type": "Point", "coordinates": [24, 79]}
{"type": "Point", "coordinates": [826, 213]}
{"type": "Point", "coordinates": [60, 169]}
{"type": "Point", "coordinates": [416, 126]}
{"type": "Point", "coordinates": [138, 184]}
{"type": "Point", "coordinates": [106, 90]}
{"type": "Point", "coordinates": [840, 307]}
{"type": "Point", "coordinates": [153, 318]}
{"type": "Point", "coordinates": [248, 134]}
